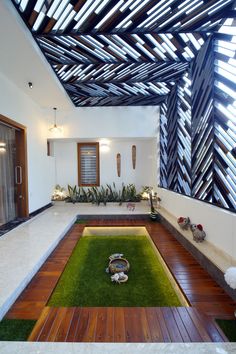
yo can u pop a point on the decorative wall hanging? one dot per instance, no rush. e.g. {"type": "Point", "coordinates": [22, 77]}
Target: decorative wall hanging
{"type": "Point", "coordinates": [118, 164]}
{"type": "Point", "coordinates": [134, 156]}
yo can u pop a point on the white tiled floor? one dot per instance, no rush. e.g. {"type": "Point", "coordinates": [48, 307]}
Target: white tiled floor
{"type": "Point", "coordinates": [118, 348]}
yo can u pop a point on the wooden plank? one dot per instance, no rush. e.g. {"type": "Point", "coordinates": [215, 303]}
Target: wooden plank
{"type": "Point", "coordinates": [127, 324]}
{"type": "Point", "coordinates": [35, 334]}
{"type": "Point", "coordinates": [181, 327]}
{"type": "Point", "coordinates": [63, 330]}
{"type": "Point", "coordinates": [189, 325]}
{"type": "Point", "coordinates": [109, 336]}
{"type": "Point", "coordinates": [82, 325]}
{"type": "Point", "coordinates": [73, 330]}
{"type": "Point", "coordinates": [154, 325]}
{"type": "Point", "coordinates": [171, 325]}
{"type": "Point", "coordinates": [132, 328]}
{"type": "Point", "coordinates": [45, 332]}
{"type": "Point", "coordinates": [214, 331]}
{"type": "Point", "coordinates": [119, 325]}
{"type": "Point", "coordinates": [164, 330]}
{"type": "Point", "coordinates": [90, 334]}
{"type": "Point", "coordinates": [101, 325]}
{"type": "Point", "coordinates": [198, 324]}
{"type": "Point", "coordinates": [147, 337]}
{"type": "Point", "coordinates": [57, 323]}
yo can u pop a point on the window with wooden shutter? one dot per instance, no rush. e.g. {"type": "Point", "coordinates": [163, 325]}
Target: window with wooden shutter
{"type": "Point", "coordinates": [88, 164]}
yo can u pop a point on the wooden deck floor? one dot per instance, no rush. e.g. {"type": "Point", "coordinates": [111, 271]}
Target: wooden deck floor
{"type": "Point", "coordinates": [125, 324]}
{"type": "Point", "coordinates": [207, 298]}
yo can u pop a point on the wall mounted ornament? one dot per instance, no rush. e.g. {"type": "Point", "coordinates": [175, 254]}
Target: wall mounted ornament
{"type": "Point", "coordinates": [134, 156]}
{"type": "Point", "coordinates": [118, 164]}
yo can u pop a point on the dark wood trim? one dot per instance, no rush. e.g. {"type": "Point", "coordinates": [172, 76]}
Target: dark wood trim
{"type": "Point", "coordinates": [48, 148]}
{"type": "Point", "coordinates": [12, 123]}
{"type": "Point", "coordinates": [21, 159]}
{"type": "Point", "coordinates": [97, 161]}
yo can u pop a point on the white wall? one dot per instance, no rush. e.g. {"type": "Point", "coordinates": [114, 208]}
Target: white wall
{"type": "Point", "coordinates": [108, 122]}
{"type": "Point", "coordinates": [145, 172]}
{"type": "Point", "coordinates": [219, 224]}
{"type": "Point", "coordinates": [17, 106]}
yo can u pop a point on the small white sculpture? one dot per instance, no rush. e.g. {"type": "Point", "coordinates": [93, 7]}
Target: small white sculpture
{"type": "Point", "coordinates": [230, 277]}
{"type": "Point", "coordinates": [119, 277]}
{"type": "Point", "coordinates": [199, 234]}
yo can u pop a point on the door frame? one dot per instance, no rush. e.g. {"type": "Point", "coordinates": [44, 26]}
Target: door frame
{"type": "Point", "coordinates": [22, 202]}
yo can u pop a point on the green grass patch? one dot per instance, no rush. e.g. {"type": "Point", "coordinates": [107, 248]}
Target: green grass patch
{"type": "Point", "coordinates": [15, 330]}
{"type": "Point", "coordinates": [229, 328]}
{"type": "Point", "coordinates": [81, 221]}
{"type": "Point", "coordinates": [85, 282]}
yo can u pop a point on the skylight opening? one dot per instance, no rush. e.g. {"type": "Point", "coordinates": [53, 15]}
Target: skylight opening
{"type": "Point", "coordinates": [93, 41]}
{"type": "Point", "coordinates": [39, 5]}
{"type": "Point", "coordinates": [183, 4]}
{"type": "Point", "coordinates": [118, 52]}
{"type": "Point", "coordinates": [192, 19]}
{"type": "Point", "coordinates": [227, 45]}
{"type": "Point", "coordinates": [138, 39]}
{"type": "Point", "coordinates": [103, 54]}
{"type": "Point", "coordinates": [126, 4]}
{"type": "Point", "coordinates": [148, 24]}
{"type": "Point", "coordinates": [101, 6]}
{"type": "Point", "coordinates": [60, 8]}
{"type": "Point", "coordinates": [110, 13]}
{"type": "Point", "coordinates": [53, 8]}
{"type": "Point", "coordinates": [225, 111]}
{"type": "Point", "coordinates": [227, 52]}
{"type": "Point", "coordinates": [150, 55]}
{"type": "Point", "coordinates": [88, 12]}
{"type": "Point", "coordinates": [219, 6]}
{"type": "Point", "coordinates": [168, 42]}
{"type": "Point", "coordinates": [67, 20]}
{"type": "Point", "coordinates": [61, 69]}
{"type": "Point", "coordinates": [38, 22]}
{"type": "Point", "coordinates": [159, 9]}
{"type": "Point", "coordinates": [83, 9]}
{"type": "Point", "coordinates": [194, 41]}
{"type": "Point", "coordinates": [63, 17]}
{"type": "Point", "coordinates": [160, 53]}
{"type": "Point", "coordinates": [228, 30]}
{"type": "Point", "coordinates": [194, 7]}
{"type": "Point", "coordinates": [189, 52]}
{"type": "Point", "coordinates": [23, 4]}
{"type": "Point", "coordinates": [171, 19]}
{"type": "Point", "coordinates": [126, 46]}
{"type": "Point", "coordinates": [228, 22]}
{"type": "Point", "coordinates": [170, 51]}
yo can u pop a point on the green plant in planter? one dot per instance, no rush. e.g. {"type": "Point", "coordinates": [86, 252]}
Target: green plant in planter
{"type": "Point", "coordinates": [103, 194]}
{"type": "Point", "coordinates": [72, 194]}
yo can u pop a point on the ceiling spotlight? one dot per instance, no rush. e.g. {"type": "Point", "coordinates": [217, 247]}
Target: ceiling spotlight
{"type": "Point", "coordinates": [30, 85]}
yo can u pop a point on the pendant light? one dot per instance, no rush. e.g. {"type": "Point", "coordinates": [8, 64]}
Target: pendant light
{"type": "Point", "coordinates": [55, 128]}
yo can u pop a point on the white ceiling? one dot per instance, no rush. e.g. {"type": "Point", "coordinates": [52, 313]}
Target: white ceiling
{"type": "Point", "coordinates": [21, 61]}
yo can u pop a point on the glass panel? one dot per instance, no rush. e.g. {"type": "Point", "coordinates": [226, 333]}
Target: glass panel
{"type": "Point", "coordinates": [7, 174]}
{"type": "Point", "coordinates": [88, 158]}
